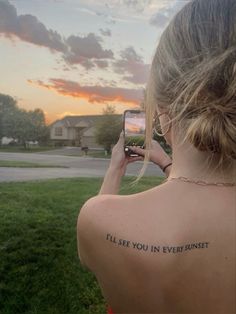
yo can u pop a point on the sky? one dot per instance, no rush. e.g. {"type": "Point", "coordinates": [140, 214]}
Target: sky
{"type": "Point", "coordinates": [75, 57]}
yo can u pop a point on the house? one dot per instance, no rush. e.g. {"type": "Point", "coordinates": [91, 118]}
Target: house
{"type": "Point", "coordinates": [7, 140]}
{"type": "Point", "coordinates": [75, 131]}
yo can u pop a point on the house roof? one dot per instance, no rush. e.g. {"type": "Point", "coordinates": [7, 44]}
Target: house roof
{"type": "Point", "coordinates": [80, 121]}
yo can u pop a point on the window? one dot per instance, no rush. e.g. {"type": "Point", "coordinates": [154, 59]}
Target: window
{"type": "Point", "coordinates": [58, 131]}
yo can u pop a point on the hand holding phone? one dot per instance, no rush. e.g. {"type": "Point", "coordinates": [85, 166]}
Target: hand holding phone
{"type": "Point", "coordinates": [134, 130]}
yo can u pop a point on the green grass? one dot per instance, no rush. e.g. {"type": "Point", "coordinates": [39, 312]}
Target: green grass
{"type": "Point", "coordinates": [21, 149]}
{"type": "Point", "coordinates": [98, 154]}
{"type": "Point", "coordinates": [36, 149]}
{"type": "Point", "coordinates": [40, 272]}
{"type": "Point", "coordinates": [91, 153]}
{"type": "Point", "coordinates": [26, 164]}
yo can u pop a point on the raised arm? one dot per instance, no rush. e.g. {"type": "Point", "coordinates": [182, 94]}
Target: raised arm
{"type": "Point", "coordinates": [117, 168]}
{"type": "Point", "coordinates": [119, 162]}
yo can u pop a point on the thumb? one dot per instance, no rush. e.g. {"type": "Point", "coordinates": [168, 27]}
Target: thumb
{"type": "Point", "coordinates": [121, 138]}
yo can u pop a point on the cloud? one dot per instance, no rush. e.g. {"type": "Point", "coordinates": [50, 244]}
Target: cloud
{"type": "Point", "coordinates": [28, 28]}
{"type": "Point", "coordinates": [132, 67]}
{"type": "Point", "coordinates": [105, 32]}
{"type": "Point", "coordinates": [125, 11]}
{"type": "Point", "coordinates": [86, 51]}
{"type": "Point", "coordinates": [66, 113]}
{"type": "Point", "coordinates": [87, 11]}
{"type": "Point", "coordinates": [159, 20]}
{"type": "Point", "coordinates": [101, 63]}
{"type": "Point", "coordinates": [111, 20]}
{"type": "Point", "coordinates": [137, 5]}
{"type": "Point", "coordinates": [118, 11]}
{"type": "Point", "coordinates": [164, 14]}
{"type": "Point", "coordinates": [93, 94]}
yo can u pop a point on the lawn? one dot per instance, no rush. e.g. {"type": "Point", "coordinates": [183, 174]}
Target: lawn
{"type": "Point", "coordinates": [40, 271]}
{"type": "Point", "coordinates": [38, 149]}
{"type": "Point", "coordinates": [98, 154]}
{"type": "Point", "coordinates": [21, 149]}
{"type": "Point", "coordinates": [26, 164]}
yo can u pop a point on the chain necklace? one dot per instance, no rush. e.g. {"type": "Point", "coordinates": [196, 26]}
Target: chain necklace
{"type": "Point", "coordinates": [199, 182]}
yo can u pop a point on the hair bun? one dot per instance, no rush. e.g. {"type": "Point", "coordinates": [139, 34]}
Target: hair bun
{"type": "Point", "coordinates": [214, 130]}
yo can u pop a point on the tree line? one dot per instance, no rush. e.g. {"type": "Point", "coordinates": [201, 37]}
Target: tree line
{"type": "Point", "coordinates": [20, 124]}
{"type": "Point", "coordinates": [25, 126]}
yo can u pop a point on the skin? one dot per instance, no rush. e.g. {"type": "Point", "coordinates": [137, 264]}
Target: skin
{"type": "Point", "coordinates": [170, 216]}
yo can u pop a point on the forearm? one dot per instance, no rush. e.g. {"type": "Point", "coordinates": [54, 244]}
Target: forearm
{"type": "Point", "coordinates": [111, 181]}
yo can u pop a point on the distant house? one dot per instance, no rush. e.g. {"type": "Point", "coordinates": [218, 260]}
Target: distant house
{"type": "Point", "coordinates": [75, 131]}
{"type": "Point", "coordinates": [7, 140]}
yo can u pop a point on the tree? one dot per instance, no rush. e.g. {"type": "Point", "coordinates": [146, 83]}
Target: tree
{"type": "Point", "coordinates": [38, 131]}
{"type": "Point", "coordinates": [8, 109]}
{"type": "Point", "coordinates": [21, 124]}
{"type": "Point", "coordinates": [108, 128]}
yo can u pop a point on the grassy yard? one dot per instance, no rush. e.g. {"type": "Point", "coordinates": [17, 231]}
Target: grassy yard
{"type": "Point", "coordinates": [21, 149]}
{"type": "Point", "coordinates": [37, 149]}
{"type": "Point", "coordinates": [40, 271]}
{"type": "Point", "coordinates": [98, 154]}
{"type": "Point", "coordinates": [26, 164]}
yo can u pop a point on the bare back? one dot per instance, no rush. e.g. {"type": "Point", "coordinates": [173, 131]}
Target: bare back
{"type": "Point", "coordinates": [169, 250]}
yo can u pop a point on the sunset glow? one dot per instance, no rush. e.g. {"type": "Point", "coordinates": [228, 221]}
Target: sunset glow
{"type": "Point", "coordinates": [74, 57]}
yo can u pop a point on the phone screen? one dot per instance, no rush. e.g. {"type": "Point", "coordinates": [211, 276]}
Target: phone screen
{"type": "Point", "coordinates": [134, 129]}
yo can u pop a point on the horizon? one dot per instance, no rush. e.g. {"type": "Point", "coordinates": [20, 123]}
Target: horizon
{"type": "Point", "coordinates": [99, 55]}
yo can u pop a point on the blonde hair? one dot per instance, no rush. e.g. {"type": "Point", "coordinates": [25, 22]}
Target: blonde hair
{"type": "Point", "coordinates": [193, 77]}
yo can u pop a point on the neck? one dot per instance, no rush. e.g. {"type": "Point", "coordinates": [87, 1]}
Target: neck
{"type": "Point", "coordinates": [193, 164]}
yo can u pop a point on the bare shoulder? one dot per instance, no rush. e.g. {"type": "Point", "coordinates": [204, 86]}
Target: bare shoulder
{"type": "Point", "coordinates": [92, 220]}
{"type": "Point", "coordinates": [102, 208]}
{"type": "Point", "coordinates": [94, 212]}
{"type": "Point", "coordinates": [93, 208]}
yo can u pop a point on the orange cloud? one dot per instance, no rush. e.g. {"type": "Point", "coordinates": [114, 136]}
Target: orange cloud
{"type": "Point", "coordinates": [66, 113]}
{"type": "Point", "coordinates": [93, 94]}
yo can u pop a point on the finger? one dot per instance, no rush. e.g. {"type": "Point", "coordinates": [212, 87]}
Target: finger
{"type": "Point", "coordinates": [137, 150]}
{"type": "Point", "coordinates": [133, 159]}
{"type": "Point", "coordinates": [121, 134]}
{"type": "Point", "coordinates": [121, 137]}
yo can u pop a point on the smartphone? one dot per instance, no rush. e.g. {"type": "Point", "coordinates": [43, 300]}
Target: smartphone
{"type": "Point", "coordinates": [134, 130]}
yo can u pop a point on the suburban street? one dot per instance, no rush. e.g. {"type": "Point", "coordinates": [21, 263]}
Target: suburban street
{"type": "Point", "coordinates": [77, 167]}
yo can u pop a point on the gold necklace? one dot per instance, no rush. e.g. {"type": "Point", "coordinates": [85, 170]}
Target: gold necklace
{"type": "Point", "coordinates": [199, 182]}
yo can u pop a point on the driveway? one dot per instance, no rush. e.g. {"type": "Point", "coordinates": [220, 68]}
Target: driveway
{"type": "Point", "coordinates": [78, 167]}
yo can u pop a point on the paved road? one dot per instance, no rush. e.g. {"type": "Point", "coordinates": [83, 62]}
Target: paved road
{"type": "Point", "coordinates": [66, 151]}
{"type": "Point", "coordinates": [78, 167]}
